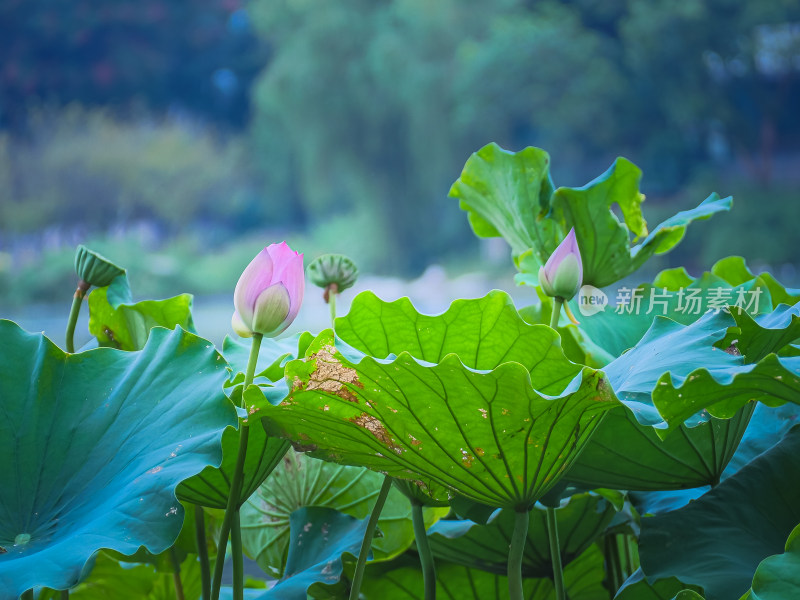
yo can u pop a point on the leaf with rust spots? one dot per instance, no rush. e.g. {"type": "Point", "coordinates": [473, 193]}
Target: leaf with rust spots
{"type": "Point", "coordinates": [426, 422]}
{"type": "Point", "coordinates": [329, 375]}
{"type": "Point", "coordinates": [376, 428]}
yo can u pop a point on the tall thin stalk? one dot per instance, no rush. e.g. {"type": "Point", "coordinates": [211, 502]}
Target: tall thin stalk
{"type": "Point", "coordinates": [202, 552]}
{"type": "Point", "coordinates": [555, 553]}
{"type": "Point", "coordinates": [552, 522]}
{"type": "Point", "coordinates": [232, 509]}
{"type": "Point", "coordinates": [74, 311]}
{"type": "Point", "coordinates": [366, 543]}
{"type": "Point", "coordinates": [515, 553]}
{"type": "Point", "coordinates": [424, 550]}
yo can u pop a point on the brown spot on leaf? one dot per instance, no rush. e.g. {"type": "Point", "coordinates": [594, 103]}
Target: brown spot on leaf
{"type": "Point", "coordinates": [304, 447]}
{"type": "Point", "coordinates": [376, 428]}
{"type": "Point", "coordinates": [111, 337]}
{"type": "Point", "coordinates": [331, 376]}
{"type": "Point", "coordinates": [733, 350]}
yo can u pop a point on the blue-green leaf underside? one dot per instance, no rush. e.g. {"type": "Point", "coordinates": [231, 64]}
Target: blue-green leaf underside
{"type": "Point", "coordinates": [94, 445]}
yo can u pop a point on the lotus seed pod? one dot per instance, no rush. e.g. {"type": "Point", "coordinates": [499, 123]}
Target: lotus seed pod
{"type": "Point", "coordinates": [94, 269]}
{"type": "Point", "coordinates": [333, 269]}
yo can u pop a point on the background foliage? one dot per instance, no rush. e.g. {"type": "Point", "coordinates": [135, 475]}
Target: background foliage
{"type": "Point", "coordinates": [203, 121]}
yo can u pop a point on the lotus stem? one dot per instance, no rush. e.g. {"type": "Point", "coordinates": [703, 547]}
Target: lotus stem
{"type": "Point", "coordinates": [64, 594]}
{"type": "Point", "coordinates": [628, 552]}
{"type": "Point", "coordinates": [555, 553]}
{"type": "Point", "coordinates": [366, 544]}
{"type": "Point", "coordinates": [332, 304]}
{"type": "Point", "coordinates": [232, 508]}
{"type": "Point", "coordinates": [74, 311]}
{"type": "Point", "coordinates": [238, 564]}
{"type": "Point", "coordinates": [515, 553]}
{"type": "Point", "coordinates": [202, 551]}
{"type": "Point", "coordinates": [613, 566]}
{"type": "Point", "coordinates": [557, 303]}
{"type": "Point", "coordinates": [424, 550]}
{"type": "Point", "coordinates": [176, 574]}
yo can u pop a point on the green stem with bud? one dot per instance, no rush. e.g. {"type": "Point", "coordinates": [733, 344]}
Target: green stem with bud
{"type": "Point", "coordinates": [330, 297]}
{"type": "Point", "coordinates": [557, 304]}
{"type": "Point", "coordinates": [366, 544]}
{"type": "Point", "coordinates": [232, 509]}
{"type": "Point", "coordinates": [74, 311]}
{"type": "Point", "coordinates": [552, 522]}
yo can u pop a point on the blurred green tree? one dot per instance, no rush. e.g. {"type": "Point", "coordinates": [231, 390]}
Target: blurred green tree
{"type": "Point", "coordinates": [198, 55]}
{"type": "Point", "coordinates": [373, 107]}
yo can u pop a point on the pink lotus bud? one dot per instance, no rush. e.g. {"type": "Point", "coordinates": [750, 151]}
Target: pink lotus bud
{"type": "Point", "coordinates": [562, 274]}
{"type": "Point", "coordinates": [269, 292]}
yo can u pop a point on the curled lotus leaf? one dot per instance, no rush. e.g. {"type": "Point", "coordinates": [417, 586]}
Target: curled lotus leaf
{"type": "Point", "coordinates": [94, 445]}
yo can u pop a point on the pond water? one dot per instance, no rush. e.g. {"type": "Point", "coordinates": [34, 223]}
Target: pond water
{"type": "Point", "coordinates": [431, 293]}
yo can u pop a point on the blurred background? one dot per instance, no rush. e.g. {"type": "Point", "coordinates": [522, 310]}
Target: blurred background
{"type": "Point", "coordinates": [178, 137]}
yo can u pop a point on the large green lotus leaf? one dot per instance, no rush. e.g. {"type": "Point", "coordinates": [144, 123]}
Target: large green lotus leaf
{"type": "Point", "coordinates": [94, 445]}
{"type": "Point", "coordinates": [671, 348]}
{"type": "Point", "coordinates": [603, 240]}
{"type": "Point", "coordinates": [508, 194]}
{"type": "Point", "coordinates": [580, 522]}
{"type": "Point", "coordinates": [487, 435]}
{"type": "Point", "coordinates": [626, 451]}
{"type": "Point", "coordinates": [126, 326]}
{"type": "Point", "coordinates": [766, 428]}
{"type": "Point", "coordinates": [778, 577]}
{"type": "Point", "coordinates": [717, 541]}
{"type": "Point", "coordinates": [774, 381]}
{"type": "Point", "coordinates": [636, 587]}
{"type": "Point", "coordinates": [669, 391]}
{"type": "Point", "coordinates": [403, 581]}
{"type": "Point", "coordinates": [627, 455]}
{"type": "Point", "coordinates": [300, 482]}
{"type": "Point", "coordinates": [484, 333]}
